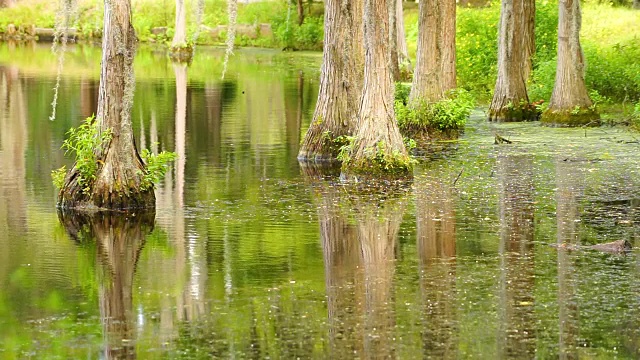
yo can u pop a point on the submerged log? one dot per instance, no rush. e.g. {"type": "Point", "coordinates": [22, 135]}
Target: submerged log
{"type": "Point", "coordinates": [615, 247]}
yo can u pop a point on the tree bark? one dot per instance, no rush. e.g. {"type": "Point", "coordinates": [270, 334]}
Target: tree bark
{"type": "Point", "coordinates": [403, 51]}
{"type": "Point", "coordinates": [570, 104]}
{"type": "Point", "coordinates": [529, 36]}
{"type": "Point", "coordinates": [510, 99]}
{"type": "Point", "coordinates": [448, 16]}
{"type": "Point", "coordinates": [180, 35]}
{"type": "Point", "coordinates": [341, 81]}
{"type": "Point", "coordinates": [393, 40]}
{"type": "Point", "coordinates": [300, 9]}
{"type": "Point", "coordinates": [435, 72]}
{"type": "Point", "coordinates": [378, 146]}
{"type": "Point", "coordinates": [118, 183]}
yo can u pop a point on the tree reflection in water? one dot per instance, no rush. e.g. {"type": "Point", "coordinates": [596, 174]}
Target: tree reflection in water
{"type": "Point", "coordinates": [570, 189]}
{"type": "Point", "coordinates": [359, 231]}
{"type": "Point", "coordinates": [119, 239]}
{"type": "Point", "coordinates": [516, 338]}
{"type": "Point", "coordinates": [436, 246]}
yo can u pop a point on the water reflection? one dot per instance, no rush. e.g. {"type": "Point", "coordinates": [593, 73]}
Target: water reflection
{"type": "Point", "coordinates": [436, 246]}
{"type": "Point", "coordinates": [119, 241]}
{"type": "Point", "coordinates": [13, 147]}
{"type": "Point", "coordinates": [570, 189]}
{"type": "Point", "coordinates": [517, 280]}
{"type": "Point", "coordinates": [359, 234]}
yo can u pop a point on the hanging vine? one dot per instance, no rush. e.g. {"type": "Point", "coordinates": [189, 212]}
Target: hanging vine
{"type": "Point", "coordinates": [232, 10]}
{"type": "Point", "coordinates": [65, 16]}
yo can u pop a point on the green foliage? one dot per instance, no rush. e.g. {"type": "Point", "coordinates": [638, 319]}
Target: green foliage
{"type": "Point", "coordinates": [614, 71]}
{"type": "Point", "coordinates": [542, 81]}
{"type": "Point", "coordinates": [156, 167]}
{"type": "Point", "coordinates": [345, 148]}
{"type": "Point", "coordinates": [476, 46]}
{"type": "Point", "coordinates": [448, 114]}
{"type": "Point", "coordinates": [58, 176]}
{"type": "Point", "coordinates": [289, 35]}
{"type": "Point", "coordinates": [84, 142]}
{"type": "Point", "coordinates": [635, 117]}
{"type": "Point", "coordinates": [401, 92]}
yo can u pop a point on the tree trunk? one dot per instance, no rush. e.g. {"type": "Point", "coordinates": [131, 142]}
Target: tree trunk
{"type": "Point", "coordinates": [435, 72]}
{"type": "Point", "coordinates": [118, 183]}
{"type": "Point", "coordinates": [7, 3]}
{"type": "Point", "coordinates": [636, 4]}
{"type": "Point", "coordinates": [510, 99]}
{"type": "Point", "coordinates": [529, 36]}
{"type": "Point", "coordinates": [393, 40]}
{"type": "Point", "coordinates": [403, 51]}
{"type": "Point", "coordinates": [570, 104]}
{"type": "Point", "coordinates": [341, 82]}
{"type": "Point", "coordinates": [448, 16]}
{"type": "Point", "coordinates": [378, 147]}
{"type": "Point", "coordinates": [180, 35]}
{"type": "Point", "coordinates": [300, 8]}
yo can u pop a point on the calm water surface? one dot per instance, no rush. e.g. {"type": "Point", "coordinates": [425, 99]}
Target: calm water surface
{"type": "Point", "coordinates": [250, 256]}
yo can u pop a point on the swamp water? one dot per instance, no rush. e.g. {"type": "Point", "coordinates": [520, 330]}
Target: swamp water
{"type": "Point", "coordinates": [250, 256]}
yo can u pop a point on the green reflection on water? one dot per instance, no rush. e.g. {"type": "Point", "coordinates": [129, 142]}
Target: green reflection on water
{"type": "Point", "coordinates": [252, 257]}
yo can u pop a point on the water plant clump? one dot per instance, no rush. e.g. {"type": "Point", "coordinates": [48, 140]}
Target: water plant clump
{"type": "Point", "coordinates": [425, 121]}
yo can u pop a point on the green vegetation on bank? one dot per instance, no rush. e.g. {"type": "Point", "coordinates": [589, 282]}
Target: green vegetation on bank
{"type": "Point", "coordinates": [609, 37]}
{"type": "Point", "coordinates": [154, 22]}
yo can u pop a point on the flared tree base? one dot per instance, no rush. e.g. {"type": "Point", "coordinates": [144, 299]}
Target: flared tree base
{"type": "Point", "coordinates": [425, 136]}
{"type": "Point", "coordinates": [570, 118]}
{"type": "Point", "coordinates": [526, 112]}
{"type": "Point", "coordinates": [181, 54]}
{"type": "Point", "coordinates": [382, 167]}
{"type": "Point", "coordinates": [102, 198]}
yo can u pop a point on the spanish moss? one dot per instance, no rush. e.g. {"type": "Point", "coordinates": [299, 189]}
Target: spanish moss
{"type": "Point", "coordinates": [232, 10]}
{"type": "Point", "coordinates": [65, 16]}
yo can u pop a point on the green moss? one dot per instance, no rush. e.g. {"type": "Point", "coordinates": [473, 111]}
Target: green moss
{"type": "Point", "coordinates": [571, 118]}
{"type": "Point", "coordinates": [379, 163]}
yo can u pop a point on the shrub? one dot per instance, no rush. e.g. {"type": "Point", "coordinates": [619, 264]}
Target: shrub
{"type": "Point", "coordinates": [84, 142]}
{"type": "Point", "coordinates": [448, 114]}
{"type": "Point", "coordinates": [156, 167]}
